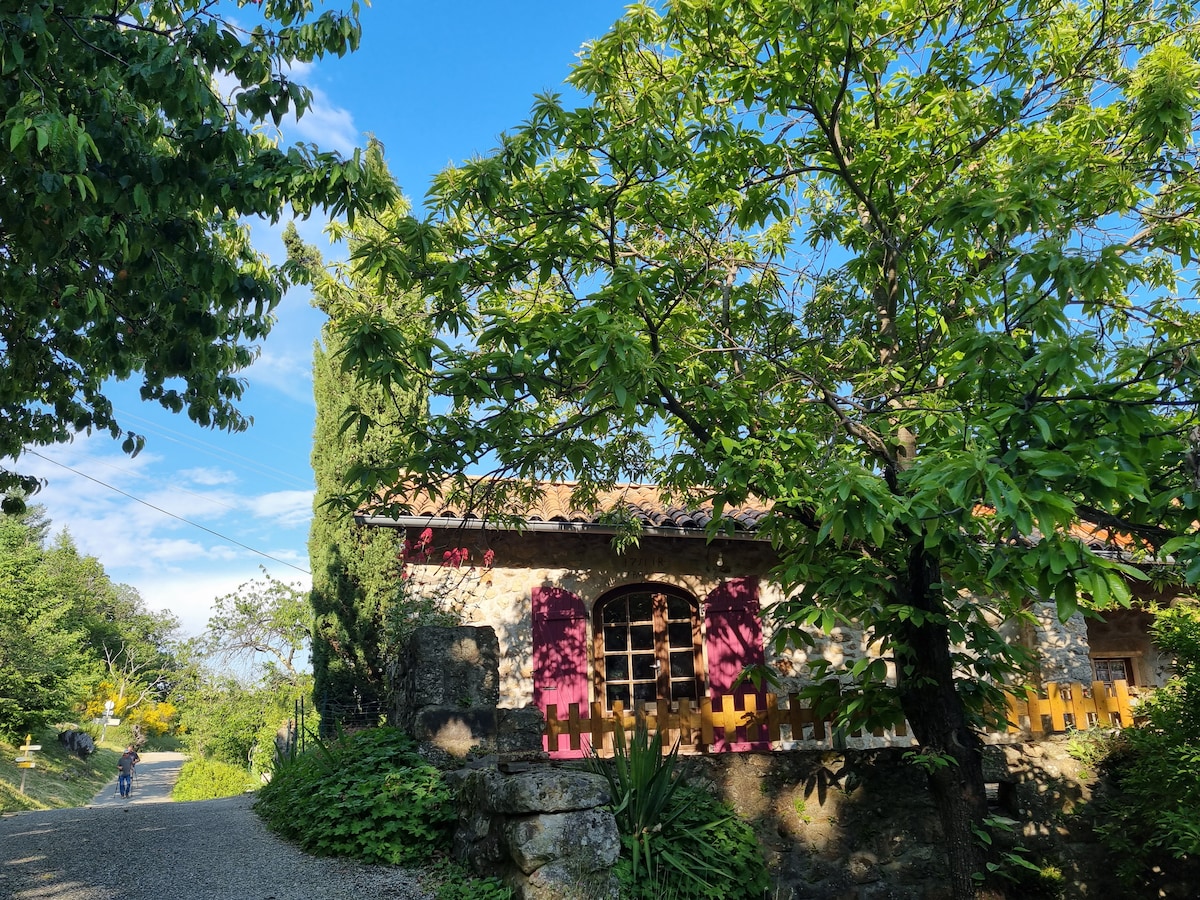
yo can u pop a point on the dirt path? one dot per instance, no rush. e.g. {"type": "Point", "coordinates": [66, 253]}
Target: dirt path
{"type": "Point", "coordinates": [154, 778]}
{"type": "Point", "coordinates": [149, 848]}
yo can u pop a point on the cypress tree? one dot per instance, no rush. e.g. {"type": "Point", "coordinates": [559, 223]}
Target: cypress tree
{"type": "Point", "coordinates": [355, 570]}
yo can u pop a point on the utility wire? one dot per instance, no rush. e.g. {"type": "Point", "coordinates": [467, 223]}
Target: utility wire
{"type": "Point", "coordinates": [166, 513]}
{"type": "Point", "coordinates": [177, 437]}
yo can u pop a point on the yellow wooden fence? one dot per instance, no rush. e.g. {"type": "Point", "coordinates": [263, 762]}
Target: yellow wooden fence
{"type": "Point", "coordinates": [699, 728]}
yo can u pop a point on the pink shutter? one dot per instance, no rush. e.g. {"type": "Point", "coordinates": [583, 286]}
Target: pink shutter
{"type": "Point", "coordinates": [560, 659]}
{"type": "Point", "coordinates": [733, 639]}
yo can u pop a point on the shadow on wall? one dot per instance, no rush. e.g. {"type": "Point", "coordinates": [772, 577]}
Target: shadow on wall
{"type": "Point", "coordinates": [862, 823]}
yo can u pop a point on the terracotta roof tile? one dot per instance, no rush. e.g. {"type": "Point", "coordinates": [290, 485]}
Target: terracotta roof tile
{"type": "Point", "coordinates": [556, 504]}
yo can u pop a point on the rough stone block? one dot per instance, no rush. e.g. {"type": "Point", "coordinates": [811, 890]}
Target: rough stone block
{"type": "Point", "coordinates": [519, 730]}
{"type": "Point", "coordinates": [546, 790]}
{"type": "Point", "coordinates": [455, 731]}
{"type": "Point", "coordinates": [560, 881]}
{"type": "Point", "coordinates": [587, 841]}
{"type": "Point", "coordinates": [450, 667]}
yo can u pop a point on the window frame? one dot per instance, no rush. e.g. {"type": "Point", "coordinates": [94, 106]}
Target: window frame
{"type": "Point", "coordinates": [1129, 661]}
{"type": "Point", "coordinates": [659, 594]}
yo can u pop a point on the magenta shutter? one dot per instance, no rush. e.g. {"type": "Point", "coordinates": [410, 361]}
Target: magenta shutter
{"type": "Point", "coordinates": [733, 640]}
{"type": "Point", "coordinates": [560, 659]}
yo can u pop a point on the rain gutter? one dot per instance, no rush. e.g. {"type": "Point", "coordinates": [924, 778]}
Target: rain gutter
{"type": "Point", "coordinates": [541, 527]}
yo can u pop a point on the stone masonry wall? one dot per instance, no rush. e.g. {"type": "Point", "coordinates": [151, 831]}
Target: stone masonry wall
{"type": "Point", "coordinates": [860, 825]}
{"type": "Point", "coordinates": [544, 829]}
{"type": "Point", "coordinates": [1062, 647]}
{"type": "Point", "coordinates": [587, 565]}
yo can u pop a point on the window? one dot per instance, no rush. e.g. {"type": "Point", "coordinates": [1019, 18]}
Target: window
{"type": "Point", "coordinates": [648, 648]}
{"type": "Point", "coordinates": [1116, 668]}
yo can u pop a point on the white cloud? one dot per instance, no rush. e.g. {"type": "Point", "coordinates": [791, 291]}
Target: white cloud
{"type": "Point", "coordinates": [143, 542]}
{"type": "Point", "coordinates": [288, 508]}
{"type": "Point", "coordinates": [208, 477]}
{"type": "Point", "coordinates": [290, 373]}
{"type": "Point", "coordinates": [329, 126]}
{"type": "Point", "coordinates": [192, 597]}
{"type": "Point", "coordinates": [324, 123]}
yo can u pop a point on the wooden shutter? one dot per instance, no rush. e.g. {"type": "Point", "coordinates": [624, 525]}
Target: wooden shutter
{"type": "Point", "coordinates": [560, 659]}
{"type": "Point", "coordinates": [733, 639]}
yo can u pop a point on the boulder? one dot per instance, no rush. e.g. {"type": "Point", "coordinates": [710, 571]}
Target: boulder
{"type": "Point", "coordinates": [562, 881]}
{"type": "Point", "coordinates": [78, 742]}
{"type": "Point", "coordinates": [546, 790]}
{"type": "Point", "coordinates": [585, 841]}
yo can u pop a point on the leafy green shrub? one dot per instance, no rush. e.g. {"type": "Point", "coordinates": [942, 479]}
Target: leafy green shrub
{"type": "Point", "coordinates": [450, 880]}
{"type": "Point", "coordinates": [210, 779]}
{"type": "Point", "coordinates": [1091, 748]}
{"type": "Point", "coordinates": [678, 840]}
{"type": "Point", "coordinates": [1150, 822]}
{"type": "Point", "coordinates": [368, 795]}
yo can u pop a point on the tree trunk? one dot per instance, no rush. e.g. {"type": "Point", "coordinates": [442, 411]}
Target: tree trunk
{"type": "Point", "coordinates": [935, 712]}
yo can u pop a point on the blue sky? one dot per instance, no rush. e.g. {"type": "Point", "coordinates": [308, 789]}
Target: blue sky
{"type": "Point", "coordinates": [436, 83]}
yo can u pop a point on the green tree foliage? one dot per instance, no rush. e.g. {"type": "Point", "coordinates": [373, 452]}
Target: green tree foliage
{"type": "Point", "coordinates": [69, 638]}
{"type": "Point", "coordinates": [265, 622]}
{"type": "Point", "coordinates": [356, 571]}
{"type": "Point", "coordinates": [132, 147]}
{"type": "Point", "coordinates": [1150, 823]}
{"type": "Point", "coordinates": [224, 719]}
{"type": "Point", "coordinates": [45, 668]}
{"type": "Point", "coordinates": [917, 276]}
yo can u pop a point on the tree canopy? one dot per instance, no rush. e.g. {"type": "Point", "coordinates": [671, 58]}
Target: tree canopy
{"type": "Point", "coordinates": [357, 572]}
{"type": "Point", "coordinates": [70, 639]}
{"type": "Point", "coordinates": [133, 148]}
{"type": "Point", "coordinates": [918, 276]}
{"type": "Point", "coordinates": [265, 622]}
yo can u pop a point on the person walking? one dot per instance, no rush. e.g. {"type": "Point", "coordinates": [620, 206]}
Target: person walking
{"type": "Point", "coordinates": [125, 766]}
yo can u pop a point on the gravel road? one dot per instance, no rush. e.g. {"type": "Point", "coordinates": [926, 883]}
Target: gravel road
{"type": "Point", "coordinates": [148, 848]}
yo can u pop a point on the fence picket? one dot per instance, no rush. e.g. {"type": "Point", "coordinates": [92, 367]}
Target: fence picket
{"type": "Point", "coordinates": [695, 728]}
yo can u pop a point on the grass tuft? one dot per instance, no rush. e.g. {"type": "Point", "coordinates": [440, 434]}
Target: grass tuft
{"type": "Point", "coordinates": [60, 779]}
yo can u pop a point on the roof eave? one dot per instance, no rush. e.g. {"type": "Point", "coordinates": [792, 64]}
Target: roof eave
{"type": "Point", "coordinates": [472, 524]}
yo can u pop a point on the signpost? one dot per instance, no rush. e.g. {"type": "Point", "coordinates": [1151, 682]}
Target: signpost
{"type": "Point", "coordinates": [107, 719]}
{"type": "Point", "coordinates": [25, 760]}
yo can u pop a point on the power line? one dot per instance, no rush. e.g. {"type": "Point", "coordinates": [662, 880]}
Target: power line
{"type": "Point", "coordinates": [218, 534]}
{"type": "Point", "coordinates": [177, 437]}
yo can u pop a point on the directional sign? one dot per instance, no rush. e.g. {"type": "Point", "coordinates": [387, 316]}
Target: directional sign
{"type": "Point", "coordinates": [25, 760]}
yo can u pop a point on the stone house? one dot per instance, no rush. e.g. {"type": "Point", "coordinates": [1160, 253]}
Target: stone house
{"type": "Point", "coordinates": [677, 615]}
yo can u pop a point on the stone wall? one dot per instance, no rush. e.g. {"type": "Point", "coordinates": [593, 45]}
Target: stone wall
{"type": "Point", "coordinates": [588, 566]}
{"type": "Point", "coordinates": [1062, 647]}
{"type": "Point", "coordinates": [860, 825]}
{"type": "Point", "coordinates": [849, 825]}
{"type": "Point", "coordinates": [446, 690]}
{"type": "Point", "coordinates": [542, 829]}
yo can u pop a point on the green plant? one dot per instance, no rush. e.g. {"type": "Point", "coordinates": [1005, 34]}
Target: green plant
{"type": "Point", "coordinates": [1014, 864]}
{"type": "Point", "coordinates": [1089, 748]}
{"type": "Point", "coordinates": [367, 795]}
{"type": "Point", "coordinates": [1150, 822]}
{"type": "Point", "coordinates": [451, 880]}
{"type": "Point", "coordinates": [642, 782]}
{"type": "Point", "coordinates": [801, 808]}
{"type": "Point", "coordinates": [209, 779]}
{"type": "Point", "coordinates": [679, 841]}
